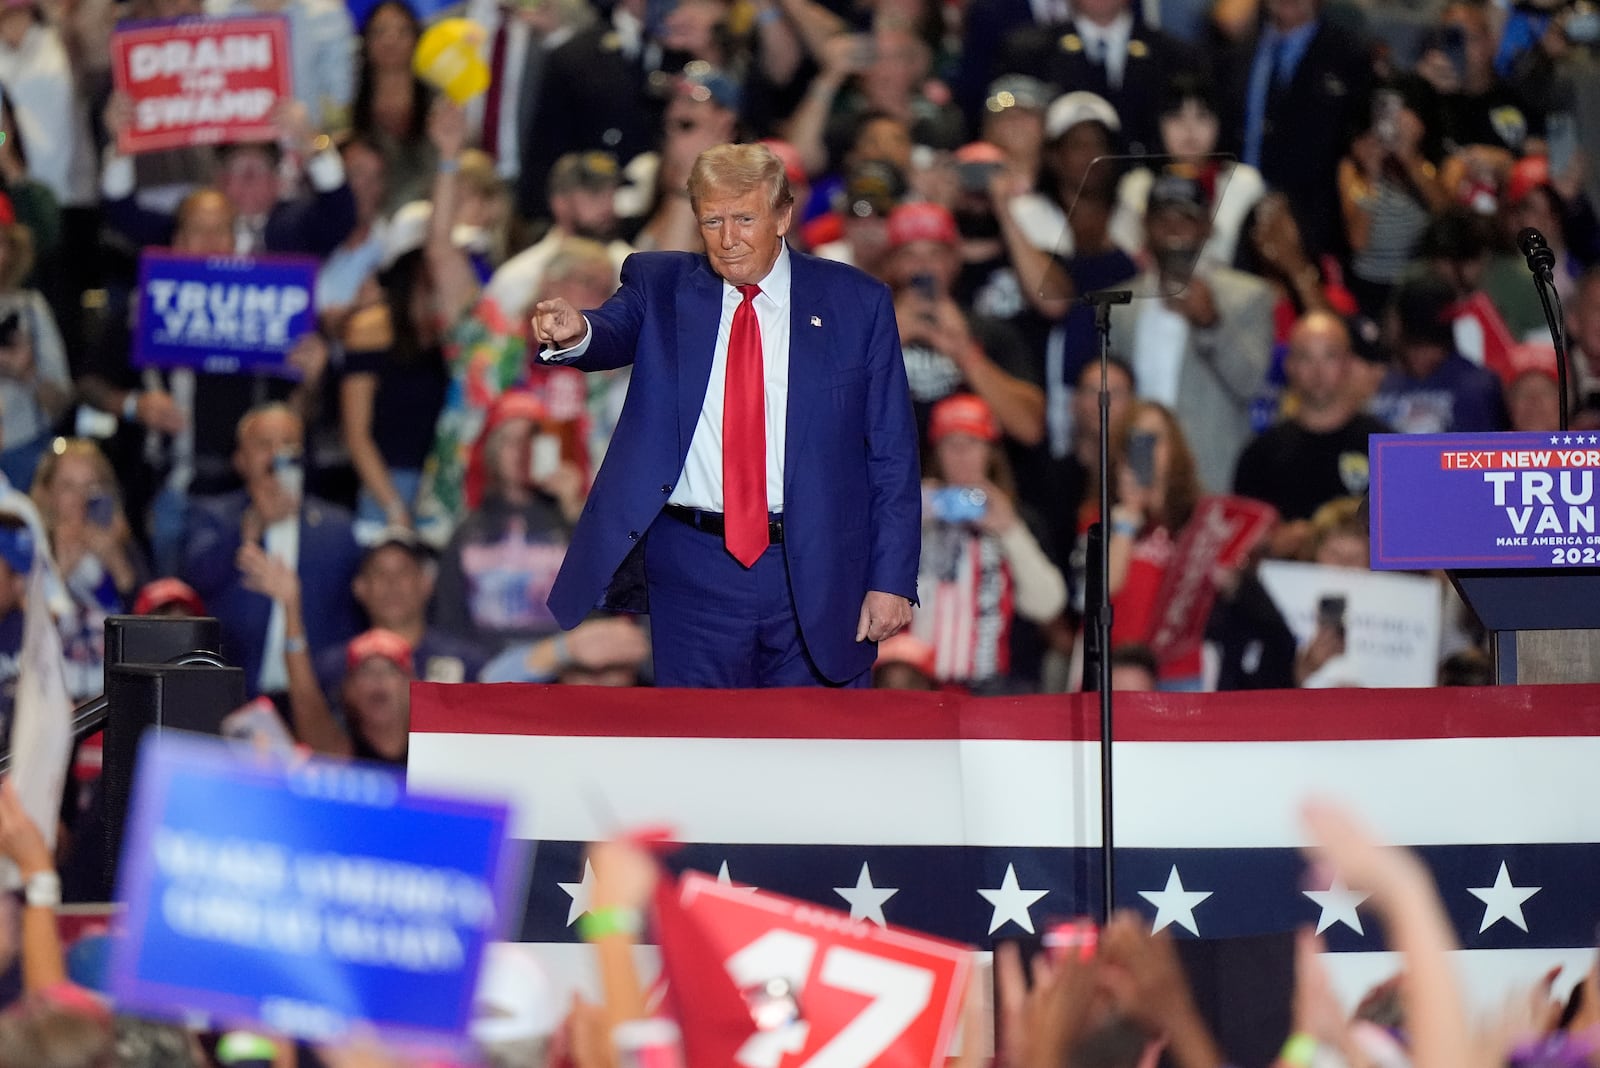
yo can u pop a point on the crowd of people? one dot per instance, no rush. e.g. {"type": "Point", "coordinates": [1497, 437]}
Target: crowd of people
{"type": "Point", "coordinates": [1117, 998]}
{"type": "Point", "coordinates": [1312, 202]}
{"type": "Point", "coordinates": [1298, 285]}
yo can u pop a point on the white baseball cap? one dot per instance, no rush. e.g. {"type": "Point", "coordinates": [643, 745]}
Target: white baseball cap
{"type": "Point", "coordinates": [1073, 108]}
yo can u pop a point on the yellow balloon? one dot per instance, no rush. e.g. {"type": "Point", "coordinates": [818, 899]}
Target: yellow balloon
{"type": "Point", "coordinates": [447, 59]}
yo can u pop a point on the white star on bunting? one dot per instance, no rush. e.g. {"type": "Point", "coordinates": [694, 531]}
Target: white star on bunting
{"type": "Point", "coordinates": [1011, 902]}
{"type": "Point", "coordinates": [1503, 900]}
{"type": "Point", "coordinates": [727, 880]}
{"type": "Point", "coordinates": [1338, 903]}
{"type": "Point", "coordinates": [866, 900]}
{"type": "Point", "coordinates": [1174, 904]}
{"type": "Point", "coordinates": [579, 893]}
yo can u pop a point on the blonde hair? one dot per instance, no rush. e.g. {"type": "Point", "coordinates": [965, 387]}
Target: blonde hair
{"type": "Point", "coordinates": [738, 169]}
{"type": "Point", "coordinates": [575, 254]}
{"type": "Point", "coordinates": [60, 449]}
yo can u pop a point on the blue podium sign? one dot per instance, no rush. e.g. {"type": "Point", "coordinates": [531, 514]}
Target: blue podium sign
{"type": "Point", "coordinates": [1484, 501]}
{"type": "Point", "coordinates": [310, 899]}
{"type": "Point", "coordinates": [223, 314]}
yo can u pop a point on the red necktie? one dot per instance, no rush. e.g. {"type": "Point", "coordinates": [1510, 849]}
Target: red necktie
{"type": "Point", "coordinates": [490, 138]}
{"type": "Point", "coordinates": [744, 437]}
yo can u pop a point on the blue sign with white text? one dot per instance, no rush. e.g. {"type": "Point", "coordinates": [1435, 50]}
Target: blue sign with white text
{"type": "Point", "coordinates": [223, 314]}
{"type": "Point", "coordinates": [310, 899]}
{"type": "Point", "coordinates": [1481, 501]}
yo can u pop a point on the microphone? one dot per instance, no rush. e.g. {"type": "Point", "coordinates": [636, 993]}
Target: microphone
{"type": "Point", "coordinates": [1537, 251]}
{"type": "Point", "coordinates": [1542, 262]}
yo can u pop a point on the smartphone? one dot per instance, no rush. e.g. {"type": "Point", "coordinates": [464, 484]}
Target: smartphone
{"type": "Point", "coordinates": [1142, 457]}
{"type": "Point", "coordinates": [544, 457]}
{"type": "Point", "coordinates": [101, 510]}
{"type": "Point", "coordinates": [975, 175]}
{"type": "Point", "coordinates": [1386, 107]}
{"type": "Point", "coordinates": [1561, 138]}
{"type": "Point", "coordinates": [1331, 611]}
{"type": "Point", "coordinates": [290, 473]}
{"type": "Point", "coordinates": [10, 327]}
{"type": "Point", "coordinates": [959, 504]}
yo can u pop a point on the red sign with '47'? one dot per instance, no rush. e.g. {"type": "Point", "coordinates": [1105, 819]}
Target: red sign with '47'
{"type": "Point", "coordinates": [826, 991]}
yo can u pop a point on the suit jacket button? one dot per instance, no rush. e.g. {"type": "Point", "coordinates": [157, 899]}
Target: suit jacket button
{"type": "Point", "coordinates": [633, 535]}
{"type": "Point", "coordinates": [666, 488]}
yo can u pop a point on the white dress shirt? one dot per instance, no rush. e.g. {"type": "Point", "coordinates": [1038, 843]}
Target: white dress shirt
{"type": "Point", "coordinates": [700, 483]}
{"type": "Point", "coordinates": [489, 14]}
{"type": "Point", "coordinates": [1108, 43]}
{"type": "Point", "coordinates": [282, 540]}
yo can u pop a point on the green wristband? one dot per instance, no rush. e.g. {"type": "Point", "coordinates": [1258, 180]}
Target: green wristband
{"type": "Point", "coordinates": [601, 923]}
{"type": "Point", "coordinates": [1299, 1051]}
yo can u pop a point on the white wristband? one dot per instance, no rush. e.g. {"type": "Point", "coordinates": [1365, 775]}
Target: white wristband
{"type": "Point", "coordinates": [42, 890]}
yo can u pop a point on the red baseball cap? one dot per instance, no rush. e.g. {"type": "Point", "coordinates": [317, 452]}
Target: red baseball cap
{"type": "Point", "coordinates": [516, 404]}
{"type": "Point", "coordinates": [794, 168]}
{"type": "Point", "coordinates": [903, 648]}
{"type": "Point", "coordinates": [979, 152]}
{"type": "Point", "coordinates": [1527, 174]}
{"type": "Point", "coordinates": [922, 221]}
{"type": "Point", "coordinates": [378, 642]}
{"type": "Point", "coordinates": [964, 413]}
{"type": "Point", "coordinates": [166, 592]}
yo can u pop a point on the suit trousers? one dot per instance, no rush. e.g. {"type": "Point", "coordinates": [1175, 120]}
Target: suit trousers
{"type": "Point", "coordinates": [715, 624]}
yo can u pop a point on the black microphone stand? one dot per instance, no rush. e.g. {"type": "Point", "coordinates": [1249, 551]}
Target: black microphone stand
{"type": "Point", "coordinates": [1097, 601]}
{"type": "Point", "coordinates": [1542, 262]}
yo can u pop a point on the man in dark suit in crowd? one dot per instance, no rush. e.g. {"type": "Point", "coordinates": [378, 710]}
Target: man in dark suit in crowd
{"type": "Point", "coordinates": [1102, 50]}
{"type": "Point", "coordinates": [1293, 93]}
{"type": "Point", "coordinates": [595, 94]}
{"type": "Point", "coordinates": [766, 458]}
{"type": "Point", "coordinates": [248, 177]}
{"type": "Point", "coordinates": [272, 512]}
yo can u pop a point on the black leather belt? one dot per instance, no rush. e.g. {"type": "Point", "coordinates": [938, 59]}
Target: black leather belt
{"type": "Point", "coordinates": [713, 523]}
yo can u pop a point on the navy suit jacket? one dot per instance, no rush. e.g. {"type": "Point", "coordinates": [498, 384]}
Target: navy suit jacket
{"type": "Point", "coordinates": [852, 498]}
{"type": "Point", "coordinates": [328, 560]}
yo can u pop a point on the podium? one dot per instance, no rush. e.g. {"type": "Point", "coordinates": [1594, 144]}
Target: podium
{"type": "Point", "coordinates": [1511, 519]}
{"type": "Point", "coordinates": [1544, 623]}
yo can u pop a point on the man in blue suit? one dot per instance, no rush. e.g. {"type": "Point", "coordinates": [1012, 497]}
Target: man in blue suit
{"type": "Point", "coordinates": [783, 580]}
{"type": "Point", "coordinates": [311, 536]}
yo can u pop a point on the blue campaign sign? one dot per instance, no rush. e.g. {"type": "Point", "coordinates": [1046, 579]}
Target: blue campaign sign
{"type": "Point", "coordinates": [309, 899]}
{"type": "Point", "coordinates": [1481, 501]}
{"type": "Point", "coordinates": [223, 313]}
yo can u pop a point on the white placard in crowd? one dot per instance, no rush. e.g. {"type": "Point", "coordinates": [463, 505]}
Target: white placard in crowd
{"type": "Point", "coordinates": [1392, 621]}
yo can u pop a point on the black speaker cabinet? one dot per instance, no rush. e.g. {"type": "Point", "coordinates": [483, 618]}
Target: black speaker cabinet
{"type": "Point", "coordinates": [158, 639]}
{"type": "Point", "coordinates": [163, 696]}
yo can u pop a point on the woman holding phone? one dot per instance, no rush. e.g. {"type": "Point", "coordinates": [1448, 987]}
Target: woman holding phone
{"type": "Point", "coordinates": [35, 382]}
{"type": "Point", "coordinates": [1388, 192]}
{"type": "Point", "coordinates": [981, 566]}
{"type": "Point", "coordinates": [75, 491]}
{"type": "Point", "coordinates": [1155, 488]}
{"type": "Point", "coordinates": [525, 495]}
